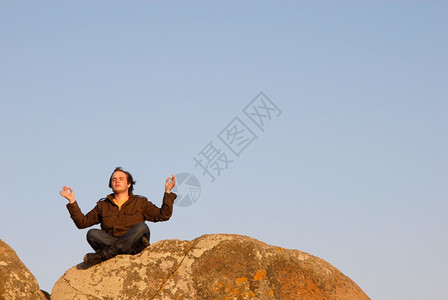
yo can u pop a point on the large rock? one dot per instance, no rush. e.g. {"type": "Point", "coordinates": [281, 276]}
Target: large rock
{"type": "Point", "coordinates": [16, 281]}
{"type": "Point", "coordinates": [219, 266]}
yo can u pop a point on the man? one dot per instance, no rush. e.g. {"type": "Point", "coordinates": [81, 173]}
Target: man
{"type": "Point", "coordinates": [122, 216]}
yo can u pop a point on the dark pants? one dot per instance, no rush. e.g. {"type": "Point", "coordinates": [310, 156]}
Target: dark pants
{"type": "Point", "coordinates": [109, 246]}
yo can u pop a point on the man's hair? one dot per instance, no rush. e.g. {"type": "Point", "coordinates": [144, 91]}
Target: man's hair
{"type": "Point", "coordinates": [128, 177]}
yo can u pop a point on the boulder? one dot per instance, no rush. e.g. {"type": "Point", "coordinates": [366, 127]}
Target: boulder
{"type": "Point", "coordinates": [217, 266]}
{"type": "Point", "coordinates": [16, 281]}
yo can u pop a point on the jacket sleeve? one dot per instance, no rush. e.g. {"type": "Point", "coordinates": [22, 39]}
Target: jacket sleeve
{"type": "Point", "coordinates": [154, 214]}
{"type": "Point", "coordinates": [83, 221]}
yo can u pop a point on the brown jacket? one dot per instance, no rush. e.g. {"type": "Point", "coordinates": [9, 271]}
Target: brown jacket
{"type": "Point", "coordinates": [117, 221]}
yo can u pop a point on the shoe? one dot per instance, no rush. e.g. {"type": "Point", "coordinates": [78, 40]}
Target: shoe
{"type": "Point", "coordinates": [91, 259]}
{"type": "Point", "coordinates": [145, 242]}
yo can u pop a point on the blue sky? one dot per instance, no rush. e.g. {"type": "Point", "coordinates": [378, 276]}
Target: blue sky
{"type": "Point", "coordinates": [353, 170]}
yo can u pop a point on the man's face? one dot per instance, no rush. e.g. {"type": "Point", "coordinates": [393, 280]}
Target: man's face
{"type": "Point", "coordinates": [120, 182]}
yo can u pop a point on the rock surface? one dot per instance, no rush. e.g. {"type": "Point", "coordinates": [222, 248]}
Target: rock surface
{"type": "Point", "coordinates": [16, 281]}
{"type": "Point", "coordinates": [218, 266]}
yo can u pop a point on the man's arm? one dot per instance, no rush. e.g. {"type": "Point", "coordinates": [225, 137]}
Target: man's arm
{"type": "Point", "coordinates": [155, 214]}
{"type": "Point", "coordinates": [81, 221]}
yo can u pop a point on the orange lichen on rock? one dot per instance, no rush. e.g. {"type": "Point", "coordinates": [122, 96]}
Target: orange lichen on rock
{"type": "Point", "coordinates": [243, 294]}
{"type": "Point", "coordinates": [261, 275]}
{"type": "Point", "coordinates": [240, 281]}
{"type": "Point", "coordinates": [250, 294]}
{"type": "Point", "coordinates": [242, 288]}
{"type": "Point", "coordinates": [218, 286]}
{"type": "Point", "coordinates": [298, 285]}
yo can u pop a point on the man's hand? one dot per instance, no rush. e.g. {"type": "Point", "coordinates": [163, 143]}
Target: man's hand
{"type": "Point", "coordinates": [169, 184]}
{"type": "Point", "coordinates": [68, 194]}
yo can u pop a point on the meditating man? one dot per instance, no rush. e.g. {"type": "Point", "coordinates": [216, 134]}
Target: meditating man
{"type": "Point", "coordinates": [122, 216]}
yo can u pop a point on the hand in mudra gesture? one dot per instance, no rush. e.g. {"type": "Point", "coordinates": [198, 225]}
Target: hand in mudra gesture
{"type": "Point", "coordinates": [170, 183]}
{"type": "Point", "coordinates": [68, 194]}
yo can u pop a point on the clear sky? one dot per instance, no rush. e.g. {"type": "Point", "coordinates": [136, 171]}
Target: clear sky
{"type": "Point", "coordinates": [351, 167]}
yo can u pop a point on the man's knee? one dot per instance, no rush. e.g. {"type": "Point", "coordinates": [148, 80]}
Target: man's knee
{"type": "Point", "coordinates": [141, 229]}
{"type": "Point", "coordinates": [98, 239]}
{"type": "Point", "coordinates": [142, 226]}
{"type": "Point", "coordinates": [93, 234]}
